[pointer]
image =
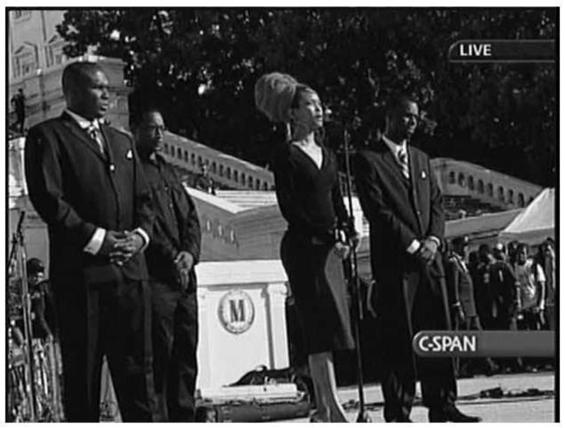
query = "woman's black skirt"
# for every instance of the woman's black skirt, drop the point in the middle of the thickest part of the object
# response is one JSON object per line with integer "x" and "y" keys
{"x": 317, "y": 282}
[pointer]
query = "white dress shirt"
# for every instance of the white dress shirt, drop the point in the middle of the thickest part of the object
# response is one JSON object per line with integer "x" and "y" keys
{"x": 87, "y": 125}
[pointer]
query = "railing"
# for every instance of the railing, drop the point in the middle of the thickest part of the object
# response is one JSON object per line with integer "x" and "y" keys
{"x": 222, "y": 168}
{"x": 459, "y": 178}
{"x": 456, "y": 178}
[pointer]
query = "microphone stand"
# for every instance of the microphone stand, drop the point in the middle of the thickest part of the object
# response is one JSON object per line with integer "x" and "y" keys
{"x": 354, "y": 282}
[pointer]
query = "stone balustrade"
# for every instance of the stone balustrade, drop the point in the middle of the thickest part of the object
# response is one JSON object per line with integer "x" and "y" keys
{"x": 459, "y": 178}
{"x": 224, "y": 169}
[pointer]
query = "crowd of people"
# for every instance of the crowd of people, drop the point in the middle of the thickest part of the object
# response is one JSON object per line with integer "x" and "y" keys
{"x": 504, "y": 287}
{"x": 125, "y": 238}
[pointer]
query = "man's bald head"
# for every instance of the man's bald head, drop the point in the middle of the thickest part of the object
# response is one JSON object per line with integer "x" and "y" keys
{"x": 77, "y": 73}
{"x": 85, "y": 87}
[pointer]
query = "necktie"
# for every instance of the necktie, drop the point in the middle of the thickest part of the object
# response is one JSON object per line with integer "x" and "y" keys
{"x": 95, "y": 135}
{"x": 463, "y": 264}
{"x": 403, "y": 160}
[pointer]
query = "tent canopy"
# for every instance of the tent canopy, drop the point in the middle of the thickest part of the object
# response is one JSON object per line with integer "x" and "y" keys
{"x": 535, "y": 223}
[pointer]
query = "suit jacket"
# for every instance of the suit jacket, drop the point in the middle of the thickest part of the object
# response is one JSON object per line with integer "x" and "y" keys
{"x": 460, "y": 285}
{"x": 484, "y": 293}
{"x": 399, "y": 210}
{"x": 503, "y": 288}
{"x": 76, "y": 189}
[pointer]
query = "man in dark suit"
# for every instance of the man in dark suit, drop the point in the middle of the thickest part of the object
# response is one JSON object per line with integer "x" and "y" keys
{"x": 504, "y": 288}
{"x": 171, "y": 257}
{"x": 483, "y": 291}
{"x": 462, "y": 300}
{"x": 84, "y": 180}
{"x": 402, "y": 202}
{"x": 460, "y": 286}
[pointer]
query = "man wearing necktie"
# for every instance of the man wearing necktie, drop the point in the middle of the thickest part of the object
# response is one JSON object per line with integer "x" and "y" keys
{"x": 400, "y": 198}
{"x": 85, "y": 181}
{"x": 95, "y": 134}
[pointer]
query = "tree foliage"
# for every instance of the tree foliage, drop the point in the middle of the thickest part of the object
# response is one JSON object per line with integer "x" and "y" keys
{"x": 200, "y": 66}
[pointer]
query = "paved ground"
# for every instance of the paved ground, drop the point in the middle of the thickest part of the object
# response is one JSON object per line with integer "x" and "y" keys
{"x": 536, "y": 408}
{"x": 539, "y": 407}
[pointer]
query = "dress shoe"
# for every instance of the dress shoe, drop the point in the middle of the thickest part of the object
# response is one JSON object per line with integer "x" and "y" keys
{"x": 491, "y": 368}
{"x": 465, "y": 373}
{"x": 398, "y": 418}
{"x": 401, "y": 420}
{"x": 450, "y": 414}
{"x": 315, "y": 417}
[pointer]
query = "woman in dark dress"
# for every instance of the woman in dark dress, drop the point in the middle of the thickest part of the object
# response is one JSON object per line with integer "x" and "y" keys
{"x": 308, "y": 193}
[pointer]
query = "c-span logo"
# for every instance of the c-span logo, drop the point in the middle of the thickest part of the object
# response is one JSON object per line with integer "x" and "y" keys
{"x": 236, "y": 311}
{"x": 445, "y": 343}
{"x": 485, "y": 343}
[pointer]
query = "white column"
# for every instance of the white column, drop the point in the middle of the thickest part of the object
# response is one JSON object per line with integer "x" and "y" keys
{"x": 203, "y": 346}
{"x": 277, "y": 293}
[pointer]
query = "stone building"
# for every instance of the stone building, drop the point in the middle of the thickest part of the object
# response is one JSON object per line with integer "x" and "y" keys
{"x": 36, "y": 62}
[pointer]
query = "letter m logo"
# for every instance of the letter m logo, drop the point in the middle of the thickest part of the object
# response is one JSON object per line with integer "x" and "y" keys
{"x": 237, "y": 311}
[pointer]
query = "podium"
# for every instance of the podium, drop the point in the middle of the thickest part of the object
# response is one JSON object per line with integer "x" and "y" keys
{"x": 242, "y": 319}
{"x": 241, "y": 325}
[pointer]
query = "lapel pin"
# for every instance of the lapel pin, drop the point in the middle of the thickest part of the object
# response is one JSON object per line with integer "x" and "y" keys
{"x": 423, "y": 175}
{"x": 129, "y": 155}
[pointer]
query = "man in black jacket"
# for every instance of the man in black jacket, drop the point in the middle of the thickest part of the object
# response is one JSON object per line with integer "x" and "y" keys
{"x": 171, "y": 257}
{"x": 461, "y": 287}
{"x": 483, "y": 292}
{"x": 506, "y": 296}
{"x": 462, "y": 300}
{"x": 84, "y": 181}
{"x": 402, "y": 202}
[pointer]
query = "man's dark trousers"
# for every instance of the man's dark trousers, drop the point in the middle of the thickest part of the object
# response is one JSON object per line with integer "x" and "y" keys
{"x": 117, "y": 316}
{"x": 175, "y": 335}
{"x": 438, "y": 384}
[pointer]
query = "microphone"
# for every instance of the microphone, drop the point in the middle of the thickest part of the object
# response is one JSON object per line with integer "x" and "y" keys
{"x": 328, "y": 115}
{"x": 330, "y": 118}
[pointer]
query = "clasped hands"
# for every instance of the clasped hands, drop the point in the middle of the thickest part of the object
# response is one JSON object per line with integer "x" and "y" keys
{"x": 427, "y": 250}
{"x": 121, "y": 246}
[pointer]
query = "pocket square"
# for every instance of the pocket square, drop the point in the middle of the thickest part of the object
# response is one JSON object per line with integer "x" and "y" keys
{"x": 129, "y": 155}
{"x": 423, "y": 175}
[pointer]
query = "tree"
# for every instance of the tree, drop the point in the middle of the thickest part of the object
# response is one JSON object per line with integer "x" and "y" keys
{"x": 200, "y": 66}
